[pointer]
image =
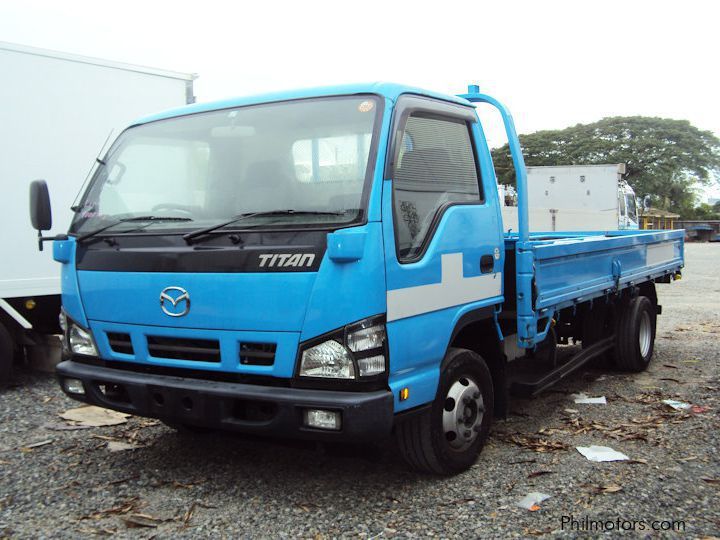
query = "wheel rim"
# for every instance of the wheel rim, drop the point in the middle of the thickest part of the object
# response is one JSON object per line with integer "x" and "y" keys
{"x": 463, "y": 412}
{"x": 645, "y": 334}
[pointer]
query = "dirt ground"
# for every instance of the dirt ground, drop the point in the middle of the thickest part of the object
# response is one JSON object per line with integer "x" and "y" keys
{"x": 70, "y": 483}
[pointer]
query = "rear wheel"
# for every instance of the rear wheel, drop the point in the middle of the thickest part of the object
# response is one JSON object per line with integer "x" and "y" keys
{"x": 635, "y": 335}
{"x": 446, "y": 438}
{"x": 7, "y": 354}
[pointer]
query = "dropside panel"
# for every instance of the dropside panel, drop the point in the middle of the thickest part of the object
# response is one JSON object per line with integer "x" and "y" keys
{"x": 570, "y": 269}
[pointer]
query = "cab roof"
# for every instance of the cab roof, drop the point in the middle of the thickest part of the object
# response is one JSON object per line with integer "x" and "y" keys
{"x": 388, "y": 90}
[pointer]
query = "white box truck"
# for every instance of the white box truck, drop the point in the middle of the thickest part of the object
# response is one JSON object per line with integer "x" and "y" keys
{"x": 576, "y": 198}
{"x": 56, "y": 109}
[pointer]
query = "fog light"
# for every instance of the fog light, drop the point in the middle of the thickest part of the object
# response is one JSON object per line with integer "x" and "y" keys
{"x": 74, "y": 386}
{"x": 320, "y": 419}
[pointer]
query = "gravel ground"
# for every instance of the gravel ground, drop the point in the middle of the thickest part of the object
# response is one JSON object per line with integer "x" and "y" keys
{"x": 229, "y": 486}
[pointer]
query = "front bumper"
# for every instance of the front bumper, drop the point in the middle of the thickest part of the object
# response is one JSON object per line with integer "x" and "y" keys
{"x": 248, "y": 408}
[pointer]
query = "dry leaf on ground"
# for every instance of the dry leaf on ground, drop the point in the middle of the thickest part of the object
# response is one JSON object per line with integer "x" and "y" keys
{"x": 119, "y": 446}
{"x": 133, "y": 521}
{"x": 536, "y": 444}
{"x": 94, "y": 416}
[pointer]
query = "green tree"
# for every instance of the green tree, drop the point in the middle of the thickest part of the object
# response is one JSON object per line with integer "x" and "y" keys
{"x": 666, "y": 159}
{"x": 703, "y": 211}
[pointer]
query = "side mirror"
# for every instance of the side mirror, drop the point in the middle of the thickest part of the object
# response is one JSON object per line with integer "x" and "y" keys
{"x": 40, "y": 213}
{"x": 647, "y": 199}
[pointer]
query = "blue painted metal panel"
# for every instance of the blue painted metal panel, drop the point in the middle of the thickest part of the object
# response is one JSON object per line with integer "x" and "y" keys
{"x": 244, "y": 301}
{"x": 345, "y": 292}
{"x": 283, "y": 365}
{"x": 346, "y": 246}
{"x": 388, "y": 90}
{"x": 573, "y": 268}
{"x": 465, "y": 229}
{"x": 375, "y": 201}
{"x": 419, "y": 343}
{"x": 70, "y": 289}
{"x": 417, "y": 349}
{"x": 565, "y": 245}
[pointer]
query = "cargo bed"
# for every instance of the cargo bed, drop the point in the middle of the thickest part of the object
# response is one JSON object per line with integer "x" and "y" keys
{"x": 559, "y": 270}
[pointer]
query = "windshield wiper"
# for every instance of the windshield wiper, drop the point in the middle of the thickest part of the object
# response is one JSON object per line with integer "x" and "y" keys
{"x": 241, "y": 217}
{"x": 129, "y": 220}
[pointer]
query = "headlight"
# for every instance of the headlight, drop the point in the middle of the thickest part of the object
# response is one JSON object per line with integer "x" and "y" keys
{"x": 353, "y": 352}
{"x": 81, "y": 341}
{"x": 329, "y": 359}
{"x": 364, "y": 338}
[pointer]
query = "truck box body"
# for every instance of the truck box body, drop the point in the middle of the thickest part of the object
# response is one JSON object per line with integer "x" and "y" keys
{"x": 331, "y": 264}
{"x": 57, "y": 111}
{"x": 577, "y": 197}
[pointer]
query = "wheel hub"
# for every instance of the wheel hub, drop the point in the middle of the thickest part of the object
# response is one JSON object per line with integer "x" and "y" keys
{"x": 462, "y": 413}
{"x": 645, "y": 334}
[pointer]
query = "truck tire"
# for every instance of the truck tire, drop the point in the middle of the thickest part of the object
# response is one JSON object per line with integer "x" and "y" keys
{"x": 7, "y": 355}
{"x": 447, "y": 437}
{"x": 635, "y": 334}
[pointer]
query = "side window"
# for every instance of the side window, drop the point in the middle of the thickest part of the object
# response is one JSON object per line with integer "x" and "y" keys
{"x": 631, "y": 208}
{"x": 436, "y": 166}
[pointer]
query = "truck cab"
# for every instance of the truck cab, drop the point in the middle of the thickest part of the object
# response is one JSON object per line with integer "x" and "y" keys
{"x": 326, "y": 264}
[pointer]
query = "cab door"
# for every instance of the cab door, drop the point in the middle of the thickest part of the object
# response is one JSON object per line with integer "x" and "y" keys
{"x": 442, "y": 238}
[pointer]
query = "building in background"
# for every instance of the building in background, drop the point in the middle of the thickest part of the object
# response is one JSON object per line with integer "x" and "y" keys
{"x": 655, "y": 219}
{"x": 696, "y": 230}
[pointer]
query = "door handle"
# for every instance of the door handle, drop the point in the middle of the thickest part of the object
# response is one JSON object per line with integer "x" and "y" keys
{"x": 487, "y": 263}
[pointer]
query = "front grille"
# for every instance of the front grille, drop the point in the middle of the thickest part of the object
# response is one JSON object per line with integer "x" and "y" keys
{"x": 257, "y": 354}
{"x": 199, "y": 350}
{"x": 120, "y": 342}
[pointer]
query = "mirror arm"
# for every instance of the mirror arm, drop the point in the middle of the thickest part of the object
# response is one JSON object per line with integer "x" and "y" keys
{"x": 42, "y": 239}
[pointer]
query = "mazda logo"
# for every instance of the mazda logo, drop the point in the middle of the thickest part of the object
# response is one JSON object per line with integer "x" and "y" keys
{"x": 174, "y": 301}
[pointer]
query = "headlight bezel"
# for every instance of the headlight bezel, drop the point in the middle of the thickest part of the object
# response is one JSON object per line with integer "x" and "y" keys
{"x": 340, "y": 335}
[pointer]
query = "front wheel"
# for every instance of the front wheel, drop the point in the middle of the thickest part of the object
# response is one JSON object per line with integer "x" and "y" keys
{"x": 635, "y": 334}
{"x": 447, "y": 438}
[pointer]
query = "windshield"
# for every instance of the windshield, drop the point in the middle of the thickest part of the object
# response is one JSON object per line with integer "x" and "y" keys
{"x": 308, "y": 156}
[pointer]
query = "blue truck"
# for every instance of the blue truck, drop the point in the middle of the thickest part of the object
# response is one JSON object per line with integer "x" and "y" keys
{"x": 330, "y": 264}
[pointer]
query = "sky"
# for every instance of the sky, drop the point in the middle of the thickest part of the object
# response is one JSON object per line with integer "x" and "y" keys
{"x": 554, "y": 63}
